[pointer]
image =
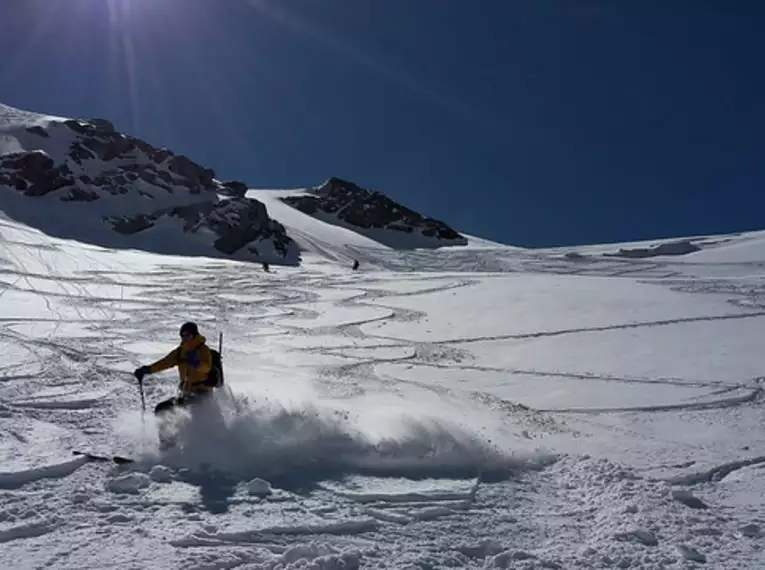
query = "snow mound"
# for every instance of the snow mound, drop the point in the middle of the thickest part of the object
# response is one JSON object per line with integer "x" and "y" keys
{"x": 161, "y": 474}
{"x": 682, "y": 247}
{"x": 321, "y": 557}
{"x": 259, "y": 487}
{"x": 26, "y": 530}
{"x": 18, "y": 478}
{"x": 129, "y": 483}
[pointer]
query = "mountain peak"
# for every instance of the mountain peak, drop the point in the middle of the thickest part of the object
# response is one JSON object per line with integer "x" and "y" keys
{"x": 375, "y": 215}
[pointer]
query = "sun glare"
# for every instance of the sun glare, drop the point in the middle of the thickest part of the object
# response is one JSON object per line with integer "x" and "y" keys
{"x": 118, "y": 10}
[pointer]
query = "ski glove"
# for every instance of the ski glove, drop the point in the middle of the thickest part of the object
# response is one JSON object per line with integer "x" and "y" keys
{"x": 141, "y": 371}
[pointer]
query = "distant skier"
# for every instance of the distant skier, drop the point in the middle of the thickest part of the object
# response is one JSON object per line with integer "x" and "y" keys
{"x": 196, "y": 370}
{"x": 266, "y": 267}
{"x": 355, "y": 264}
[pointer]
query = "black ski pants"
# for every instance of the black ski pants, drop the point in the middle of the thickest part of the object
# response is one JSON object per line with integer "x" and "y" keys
{"x": 170, "y": 404}
{"x": 166, "y": 432}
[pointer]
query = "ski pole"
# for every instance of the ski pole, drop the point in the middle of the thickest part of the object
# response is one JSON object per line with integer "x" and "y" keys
{"x": 143, "y": 400}
{"x": 228, "y": 389}
{"x": 220, "y": 351}
{"x": 143, "y": 410}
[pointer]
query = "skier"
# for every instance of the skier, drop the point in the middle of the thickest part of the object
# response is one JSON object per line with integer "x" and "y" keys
{"x": 195, "y": 370}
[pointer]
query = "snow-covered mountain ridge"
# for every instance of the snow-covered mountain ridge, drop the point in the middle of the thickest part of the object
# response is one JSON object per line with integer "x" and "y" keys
{"x": 100, "y": 179}
{"x": 342, "y": 202}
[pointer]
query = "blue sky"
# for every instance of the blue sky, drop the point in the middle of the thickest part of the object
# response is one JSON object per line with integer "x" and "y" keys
{"x": 533, "y": 122}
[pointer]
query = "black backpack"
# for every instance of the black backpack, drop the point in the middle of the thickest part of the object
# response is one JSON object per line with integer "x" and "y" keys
{"x": 215, "y": 377}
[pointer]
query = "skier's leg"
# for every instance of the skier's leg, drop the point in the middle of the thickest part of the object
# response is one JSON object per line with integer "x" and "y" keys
{"x": 203, "y": 411}
{"x": 167, "y": 431}
{"x": 165, "y": 406}
{"x": 164, "y": 423}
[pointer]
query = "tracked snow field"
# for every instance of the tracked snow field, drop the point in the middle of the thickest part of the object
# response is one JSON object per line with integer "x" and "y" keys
{"x": 428, "y": 411}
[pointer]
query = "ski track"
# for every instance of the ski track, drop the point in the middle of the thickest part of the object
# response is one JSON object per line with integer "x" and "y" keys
{"x": 525, "y": 522}
{"x": 17, "y": 479}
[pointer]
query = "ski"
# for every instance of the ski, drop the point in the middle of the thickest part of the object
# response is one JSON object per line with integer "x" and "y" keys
{"x": 118, "y": 459}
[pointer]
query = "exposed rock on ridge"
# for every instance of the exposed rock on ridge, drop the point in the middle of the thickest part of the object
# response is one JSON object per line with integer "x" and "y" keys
{"x": 367, "y": 210}
{"x": 134, "y": 184}
{"x": 237, "y": 222}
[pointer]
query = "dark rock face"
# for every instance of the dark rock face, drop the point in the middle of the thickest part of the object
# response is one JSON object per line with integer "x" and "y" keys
{"x": 234, "y": 188}
{"x": 33, "y": 173}
{"x": 80, "y": 195}
{"x": 91, "y": 126}
{"x": 128, "y": 225}
{"x": 190, "y": 172}
{"x": 241, "y": 221}
{"x": 119, "y": 158}
{"x": 102, "y": 125}
{"x": 237, "y": 222}
{"x": 365, "y": 209}
{"x": 98, "y": 140}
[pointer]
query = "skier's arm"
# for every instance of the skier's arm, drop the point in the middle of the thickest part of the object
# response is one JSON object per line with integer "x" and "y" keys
{"x": 164, "y": 363}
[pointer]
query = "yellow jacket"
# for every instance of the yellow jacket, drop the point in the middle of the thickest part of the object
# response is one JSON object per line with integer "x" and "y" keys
{"x": 194, "y": 361}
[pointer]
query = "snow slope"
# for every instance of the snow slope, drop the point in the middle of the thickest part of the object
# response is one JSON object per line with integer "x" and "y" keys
{"x": 740, "y": 247}
{"x": 313, "y": 236}
{"x": 474, "y": 407}
{"x": 12, "y": 119}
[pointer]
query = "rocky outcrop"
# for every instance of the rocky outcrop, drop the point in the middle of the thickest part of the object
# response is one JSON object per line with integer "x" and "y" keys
{"x": 109, "y": 162}
{"x": 33, "y": 173}
{"x": 158, "y": 166}
{"x": 683, "y": 247}
{"x": 242, "y": 221}
{"x": 234, "y": 188}
{"x": 132, "y": 185}
{"x": 365, "y": 209}
{"x": 128, "y": 225}
{"x": 240, "y": 224}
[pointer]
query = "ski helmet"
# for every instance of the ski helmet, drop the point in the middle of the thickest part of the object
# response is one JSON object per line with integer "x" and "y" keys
{"x": 189, "y": 328}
